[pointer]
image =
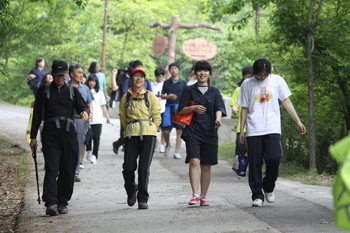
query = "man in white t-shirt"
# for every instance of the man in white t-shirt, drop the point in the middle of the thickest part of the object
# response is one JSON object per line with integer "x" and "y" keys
{"x": 157, "y": 87}
{"x": 259, "y": 97}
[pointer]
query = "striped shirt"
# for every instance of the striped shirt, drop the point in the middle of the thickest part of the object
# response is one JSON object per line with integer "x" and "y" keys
{"x": 203, "y": 125}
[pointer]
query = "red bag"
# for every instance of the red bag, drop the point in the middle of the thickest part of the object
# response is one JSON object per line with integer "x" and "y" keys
{"x": 183, "y": 119}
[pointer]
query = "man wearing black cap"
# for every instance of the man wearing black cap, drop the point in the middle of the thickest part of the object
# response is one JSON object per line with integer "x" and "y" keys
{"x": 172, "y": 89}
{"x": 54, "y": 104}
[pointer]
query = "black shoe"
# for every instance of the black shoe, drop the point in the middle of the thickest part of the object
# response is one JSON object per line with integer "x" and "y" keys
{"x": 77, "y": 179}
{"x": 115, "y": 147}
{"x": 62, "y": 209}
{"x": 52, "y": 210}
{"x": 143, "y": 205}
{"x": 132, "y": 200}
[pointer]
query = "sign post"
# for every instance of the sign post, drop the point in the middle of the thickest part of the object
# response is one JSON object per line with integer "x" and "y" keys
{"x": 172, "y": 38}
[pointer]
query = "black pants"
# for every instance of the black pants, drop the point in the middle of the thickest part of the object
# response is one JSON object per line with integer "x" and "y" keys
{"x": 241, "y": 149}
{"x": 144, "y": 149}
{"x": 61, "y": 158}
{"x": 120, "y": 141}
{"x": 266, "y": 147}
{"x": 96, "y": 131}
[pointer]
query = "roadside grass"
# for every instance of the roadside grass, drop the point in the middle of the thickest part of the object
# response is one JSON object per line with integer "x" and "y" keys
{"x": 287, "y": 170}
{"x": 13, "y": 168}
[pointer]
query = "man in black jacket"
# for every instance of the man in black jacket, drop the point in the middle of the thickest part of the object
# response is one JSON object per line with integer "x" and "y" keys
{"x": 54, "y": 104}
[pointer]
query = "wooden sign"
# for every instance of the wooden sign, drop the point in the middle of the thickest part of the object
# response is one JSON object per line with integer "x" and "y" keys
{"x": 160, "y": 45}
{"x": 199, "y": 49}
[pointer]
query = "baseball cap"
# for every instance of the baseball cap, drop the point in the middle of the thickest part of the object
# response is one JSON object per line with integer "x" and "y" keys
{"x": 138, "y": 70}
{"x": 59, "y": 67}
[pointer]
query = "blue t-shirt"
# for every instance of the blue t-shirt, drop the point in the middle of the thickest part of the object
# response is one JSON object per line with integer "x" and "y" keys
{"x": 38, "y": 73}
{"x": 85, "y": 93}
{"x": 173, "y": 87}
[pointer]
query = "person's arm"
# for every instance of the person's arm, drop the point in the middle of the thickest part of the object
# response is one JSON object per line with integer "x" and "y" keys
{"x": 291, "y": 110}
{"x": 104, "y": 109}
{"x": 91, "y": 116}
{"x": 115, "y": 86}
{"x": 244, "y": 113}
{"x": 218, "y": 122}
{"x": 105, "y": 92}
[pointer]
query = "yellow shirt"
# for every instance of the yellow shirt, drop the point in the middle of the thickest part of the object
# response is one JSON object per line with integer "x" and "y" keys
{"x": 138, "y": 110}
{"x": 234, "y": 103}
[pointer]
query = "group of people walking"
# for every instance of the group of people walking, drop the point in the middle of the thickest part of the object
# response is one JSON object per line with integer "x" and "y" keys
{"x": 144, "y": 113}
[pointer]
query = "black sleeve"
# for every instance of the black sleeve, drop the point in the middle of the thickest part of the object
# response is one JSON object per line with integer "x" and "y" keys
{"x": 184, "y": 98}
{"x": 219, "y": 103}
{"x": 79, "y": 102}
{"x": 37, "y": 113}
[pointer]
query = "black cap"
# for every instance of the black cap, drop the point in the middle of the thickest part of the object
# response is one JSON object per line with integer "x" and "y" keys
{"x": 174, "y": 64}
{"x": 59, "y": 67}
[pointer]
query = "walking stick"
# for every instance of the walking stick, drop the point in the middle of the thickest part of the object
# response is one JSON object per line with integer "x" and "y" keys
{"x": 36, "y": 173}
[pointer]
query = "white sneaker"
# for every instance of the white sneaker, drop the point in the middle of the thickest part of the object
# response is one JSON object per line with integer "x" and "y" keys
{"x": 81, "y": 165}
{"x": 93, "y": 159}
{"x": 177, "y": 155}
{"x": 161, "y": 148}
{"x": 88, "y": 155}
{"x": 258, "y": 203}
{"x": 270, "y": 197}
{"x": 167, "y": 150}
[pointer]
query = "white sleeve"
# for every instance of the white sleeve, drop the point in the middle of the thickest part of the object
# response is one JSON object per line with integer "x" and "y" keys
{"x": 284, "y": 91}
{"x": 243, "y": 97}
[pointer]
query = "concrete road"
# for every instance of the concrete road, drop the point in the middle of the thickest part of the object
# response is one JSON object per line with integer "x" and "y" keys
{"x": 99, "y": 201}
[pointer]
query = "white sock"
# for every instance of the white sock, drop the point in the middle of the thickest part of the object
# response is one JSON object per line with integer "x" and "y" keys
{"x": 203, "y": 197}
{"x": 196, "y": 194}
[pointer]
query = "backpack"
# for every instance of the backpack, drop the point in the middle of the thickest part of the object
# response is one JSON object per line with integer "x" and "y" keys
{"x": 46, "y": 95}
{"x": 129, "y": 99}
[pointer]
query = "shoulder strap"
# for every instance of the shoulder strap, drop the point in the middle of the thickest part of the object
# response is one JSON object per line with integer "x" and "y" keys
{"x": 127, "y": 102}
{"x": 71, "y": 92}
{"x": 129, "y": 99}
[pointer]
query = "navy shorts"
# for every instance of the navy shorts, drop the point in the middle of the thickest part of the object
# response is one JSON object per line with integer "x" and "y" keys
{"x": 205, "y": 152}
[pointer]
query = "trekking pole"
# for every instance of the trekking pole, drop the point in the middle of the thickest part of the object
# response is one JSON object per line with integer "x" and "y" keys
{"x": 36, "y": 173}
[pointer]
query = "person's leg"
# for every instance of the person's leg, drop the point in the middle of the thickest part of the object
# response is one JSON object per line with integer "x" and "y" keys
{"x": 167, "y": 137}
{"x": 81, "y": 128}
{"x": 205, "y": 178}
{"x": 178, "y": 140}
{"x": 69, "y": 159}
{"x": 52, "y": 156}
{"x": 272, "y": 156}
{"x": 194, "y": 175}
{"x": 256, "y": 153}
{"x": 131, "y": 153}
{"x": 146, "y": 150}
{"x": 97, "y": 129}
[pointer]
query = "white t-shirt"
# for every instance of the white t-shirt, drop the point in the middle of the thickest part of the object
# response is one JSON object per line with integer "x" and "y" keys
{"x": 97, "y": 104}
{"x": 263, "y": 116}
{"x": 157, "y": 89}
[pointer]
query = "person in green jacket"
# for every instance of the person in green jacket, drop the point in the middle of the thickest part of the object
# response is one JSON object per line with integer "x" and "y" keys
{"x": 241, "y": 149}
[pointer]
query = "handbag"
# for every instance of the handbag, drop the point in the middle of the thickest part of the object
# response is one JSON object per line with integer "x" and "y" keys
{"x": 184, "y": 119}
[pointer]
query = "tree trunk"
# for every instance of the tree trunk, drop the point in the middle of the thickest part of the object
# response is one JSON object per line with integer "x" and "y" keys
{"x": 257, "y": 21}
{"x": 312, "y": 120}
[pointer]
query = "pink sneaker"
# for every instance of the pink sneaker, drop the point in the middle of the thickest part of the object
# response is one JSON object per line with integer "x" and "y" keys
{"x": 194, "y": 200}
{"x": 204, "y": 202}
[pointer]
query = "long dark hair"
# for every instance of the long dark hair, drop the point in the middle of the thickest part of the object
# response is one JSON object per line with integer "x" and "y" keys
{"x": 93, "y": 77}
{"x": 92, "y": 68}
{"x": 38, "y": 60}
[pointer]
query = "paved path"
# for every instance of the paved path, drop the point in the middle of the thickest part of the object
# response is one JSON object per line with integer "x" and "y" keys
{"x": 99, "y": 201}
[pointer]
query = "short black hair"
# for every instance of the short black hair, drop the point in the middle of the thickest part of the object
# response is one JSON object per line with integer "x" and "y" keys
{"x": 159, "y": 71}
{"x": 73, "y": 67}
{"x": 202, "y": 65}
{"x": 93, "y": 77}
{"x": 260, "y": 65}
{"x": 136, "y": 64}
{"x": 247, "y": 70}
